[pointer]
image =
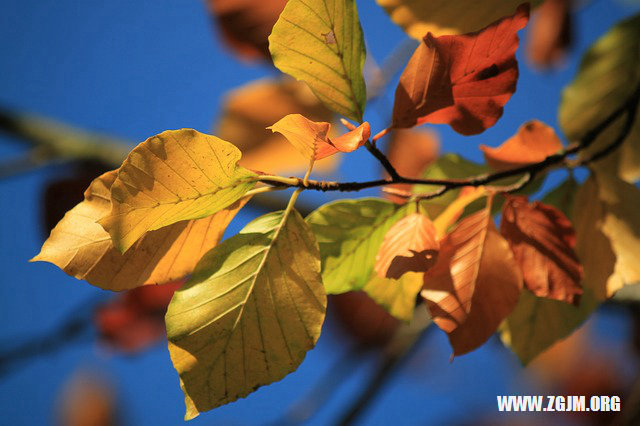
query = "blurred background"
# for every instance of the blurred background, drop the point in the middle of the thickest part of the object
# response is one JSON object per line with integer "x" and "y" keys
{"x": 83, "y": 82}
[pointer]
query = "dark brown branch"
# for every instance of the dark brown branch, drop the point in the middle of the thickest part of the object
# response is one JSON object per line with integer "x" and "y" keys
{"x": 373, "y": 149}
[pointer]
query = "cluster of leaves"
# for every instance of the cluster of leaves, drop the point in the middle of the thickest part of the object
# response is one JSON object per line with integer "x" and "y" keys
{"x": 255, "y": 303}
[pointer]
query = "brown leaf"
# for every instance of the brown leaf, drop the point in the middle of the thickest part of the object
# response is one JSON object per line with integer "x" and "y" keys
{"x": 542, "y": 240}
{"x": 534, "y": 142}
{"x": 246, "y": 24}
{"x": 409, "y": 245}
{"x": 248, "y": 110}
{"x": 410, "y": 152}
{"x": 475, "y": 283}
{"x": 550, "y": 34}
{"x": 312, "y": 140}
{"x": 461, "y": 80}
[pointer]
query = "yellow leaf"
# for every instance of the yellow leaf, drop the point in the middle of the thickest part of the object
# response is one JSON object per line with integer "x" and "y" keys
{"x": 174, "y": 176}
{"x": 397, "y": 296}
{"x": 253, "y": 308}
{"x": 83, "y": 249}
{"x": 607, "y": 223}
{"x": 248, "y": 110}
{"x": 418, "y": 18}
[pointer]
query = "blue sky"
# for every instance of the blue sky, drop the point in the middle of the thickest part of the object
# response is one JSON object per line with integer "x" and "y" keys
{"x": 134, "y": 69}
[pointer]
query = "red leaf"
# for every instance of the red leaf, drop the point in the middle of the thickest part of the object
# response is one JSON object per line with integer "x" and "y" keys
{"x": 542, "y": 240}
{"x": 409, "y": 245}
{"x": 461, "y": 80}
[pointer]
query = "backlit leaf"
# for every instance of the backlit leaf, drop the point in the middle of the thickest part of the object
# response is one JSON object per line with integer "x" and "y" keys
{"x": 171, "y": 177}
{"x": 349, "y": 233}
{"x": 611, "y": 223}
{"x": 474, "y": 285}
{"x": 418, "y": 18}
{"x": 83, "y": 249}
{"x": 542, "y": 240}
{"x": 550, "y": 33}
{"x": 608, "y": 73}
{"x": 252, "y": 309}
{"x": 561, "y": 197}
{"x": 248, "y": 110}
{"x": 321, "y": 43}
{"x": 461, "y": 80}
{"x": 410, "y": 245}
{"x": 312, "y": 140}
{"x": 397, "y": 296}
{"x": 534, "y": 142}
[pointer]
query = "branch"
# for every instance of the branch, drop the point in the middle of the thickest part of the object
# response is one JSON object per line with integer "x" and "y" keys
{"x": 629, "y": 107}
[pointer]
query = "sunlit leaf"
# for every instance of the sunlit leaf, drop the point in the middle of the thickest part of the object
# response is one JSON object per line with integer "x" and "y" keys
{"x": 607, "y": 222}
{"x": 461, "y": 80}
{"x": 171, "y": 177}
{"x": 534, "y": 142}
{"x": 418, "y": 18}
{"x": 608, "y": 73}
{"x": 252, "y": 309}
{"x": 410, "y": 245}
{"x": 248, "y": 110}
{"x": 349, "y": 233}
{"x": 312, "y": 140}
{"x": 397, "y": 296}
{"x": 542, "y": 240}
{"x": 321, "y": 43}
{"x": 474, "y": 285}
{"x": 83, "y": 249}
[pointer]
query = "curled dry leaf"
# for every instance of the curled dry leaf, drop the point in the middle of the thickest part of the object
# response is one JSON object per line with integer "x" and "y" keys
{"x": 534, "y": 142}
{"x": 475, "y": 283}
{"x": 550, "y": 33}
{"x": 409, "y": 245}
{"x": 312, "y": 140}
{"x": 83, "y": 249}
{"x": 461, "y": 80}
{"x": 248, "y": 110}
{"x": 542, "y": 240}
{"x": 246, "y": 24}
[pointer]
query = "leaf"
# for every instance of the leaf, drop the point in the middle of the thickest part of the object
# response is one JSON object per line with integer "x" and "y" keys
{"x": 461, "y": 80}
{"x": 321, "y": 43}
{"x": 349, "y": 233}
{"x": 536, "y": 323}
{"x": 246, "y": 24}
{"x": 248, "y": 110}
{"x": 534, "y": 142}
{"x": 609, "y": 71}
{"x": 418, "y": 18}
{"x": 550, "y": 34}
{"x": 611, "y": 223}
{"x": 542, "y": 240}
{"x": 409, "y": 245}
{"x": 562, "y": 196}
{"x": 397, "y": 296}
{"x": 252, "y": 309}
{"x": 410, "y": 152}
{"x": 174, "y": 176}
{"x": 475, "y": 283}
{"x": 83, "y": 249}
{"x": 312, "y": 140}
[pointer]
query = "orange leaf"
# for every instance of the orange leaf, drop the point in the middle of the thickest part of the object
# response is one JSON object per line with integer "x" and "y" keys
{"x": 312, "y": 140}
{"x": 246, "y": 24}
{"x": 409, "y": 245}
{"x": 550, "y": 33}
{"x": 461, "y": 80}
{"x": 542, "y": 240}
{"x": 534, "y": 142}
{"x": 475, "y": 283}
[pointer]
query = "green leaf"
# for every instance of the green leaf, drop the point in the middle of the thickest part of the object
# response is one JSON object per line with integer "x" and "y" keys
{"x": 562, "y": 195}
{"x": 608, "y": 73}
{"x": 349, "y": 233}
{"x": 253, "y": 308}
{"x": 174, "y": 176}
{"x": 398, "y": 297}
{"x": 321, "y": 43}
{"x": 536, "y": 323}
